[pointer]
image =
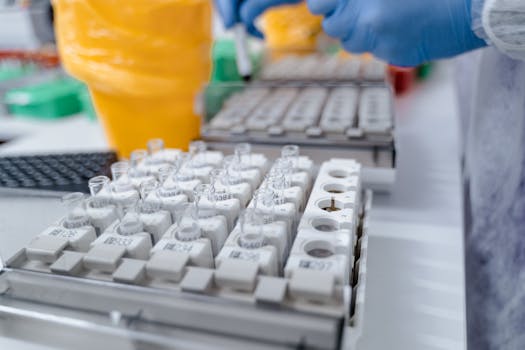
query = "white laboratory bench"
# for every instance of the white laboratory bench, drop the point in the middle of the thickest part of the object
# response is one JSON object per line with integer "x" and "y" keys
{"x": 415, "y": 283}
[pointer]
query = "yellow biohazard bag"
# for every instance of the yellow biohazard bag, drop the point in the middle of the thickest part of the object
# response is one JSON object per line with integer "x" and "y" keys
{"x": 143, "y": 61}
{"x": 292, "y": 27}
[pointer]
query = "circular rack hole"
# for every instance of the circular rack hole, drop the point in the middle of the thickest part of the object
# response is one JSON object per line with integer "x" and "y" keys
{"x": 339, "y": 174}
{"x": 319, "y": 249}
{"x": 336, "y": 188}
{"x": 330, "y": 205}
{"x": 325, "y": 225}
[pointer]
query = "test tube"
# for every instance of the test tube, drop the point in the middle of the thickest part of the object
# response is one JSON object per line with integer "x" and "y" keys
{"x": 130, "y": 223}
{"x": 76, "y": 210}
{"x": 262, "y": 198}
{"x": 188, "y": 227}
{"x": 184, "y": 172}
{"x": 96, "y": 185}
{"x": 136, "y": 158}
{"x": 155, "y": 146}
{"x": 119, "y": 173}
{"x": 283, "y": 167}
{"x": 291, "y": 153}
{"x": 146, "y": 188}
{"x": 219, "y": 191}
{"x": 197, "y": 152}
{"x": 243, "y": 154}
{"x": 251, "y": 227}
{"x": 165, "y": 172}
{"x": 233, "y": 170}
{"x": 170, "y": 189}
{"x": 204, "y": 191}
{"x": 276, "y": 182}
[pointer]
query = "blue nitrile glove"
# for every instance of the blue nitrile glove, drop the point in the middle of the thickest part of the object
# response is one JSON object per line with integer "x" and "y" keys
{"x": 402, "y": 32}
{"x": 247, "y": 13}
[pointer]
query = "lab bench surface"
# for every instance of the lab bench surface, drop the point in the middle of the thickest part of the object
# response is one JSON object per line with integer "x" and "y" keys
{"x": 415, "y": 291}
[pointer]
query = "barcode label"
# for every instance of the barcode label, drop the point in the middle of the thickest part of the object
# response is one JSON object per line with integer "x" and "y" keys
{"x": 124, "y": 242}
{"x": 178, "y": 247}
{"x": 247, "y": 256}
{"x": 315, "y": 265}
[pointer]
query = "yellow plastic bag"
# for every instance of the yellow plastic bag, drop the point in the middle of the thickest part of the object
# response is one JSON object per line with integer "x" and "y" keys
{"x": 292, "y": 27}
{"x": 144, "y": 62}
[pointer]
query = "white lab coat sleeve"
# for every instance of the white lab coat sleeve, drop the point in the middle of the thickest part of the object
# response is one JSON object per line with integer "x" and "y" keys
{"x": 477, "y": 14}
{"x": 502, "y": 24}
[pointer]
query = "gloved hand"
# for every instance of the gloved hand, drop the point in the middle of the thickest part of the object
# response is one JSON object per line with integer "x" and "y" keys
{"x": 402, "y": 32}
{"x": 246, "y": 11}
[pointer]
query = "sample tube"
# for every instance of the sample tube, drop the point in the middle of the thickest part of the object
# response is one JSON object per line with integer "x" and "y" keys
{"x": 185, "y": 170}
{"x": 167, "y": 189}
{"x": 130, "y": 223}
{"x": 276, "y": 183}
{"x": 146, "y": 188}
{"x": 264, "y": 204}
{"x": 96, "y": 185}
{"x": 291, "y": 153}
{"x": 283, "y": 167}
{"x": 233, "y": 175}
{"x": 201, "y": 192}
{"x": 121, "y": 181}
{"x": 243, "y": 155}
{"x": 155, "y": 146}
{"x": 188, "y": 226}
{"x": 251, "y": 226}
{"x": 136, "y": 158}
{"x": 76, "y": 210}
{"x": 197, "y": 152}
{"x": 219, "y": 189}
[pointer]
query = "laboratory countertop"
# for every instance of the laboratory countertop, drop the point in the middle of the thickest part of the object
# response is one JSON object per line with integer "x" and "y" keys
{"x": 415, "y": 283}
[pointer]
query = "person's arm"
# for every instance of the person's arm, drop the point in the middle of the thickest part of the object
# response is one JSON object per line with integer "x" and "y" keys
{"x": 501, "y": 23}
{"x": 402, "y": 32}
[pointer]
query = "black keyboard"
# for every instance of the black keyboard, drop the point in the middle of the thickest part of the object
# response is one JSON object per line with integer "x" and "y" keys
{"x": 54, "y": 172}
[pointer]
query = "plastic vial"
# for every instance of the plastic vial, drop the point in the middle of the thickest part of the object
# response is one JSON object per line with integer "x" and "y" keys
{"x": 219, "y": 190}
{"x": 130, "y": 224}
{"x": 291, "y": 153}
{"x": 146, "y": 189}
{"x": 251, "y": 230}
{"x": 159, "y": 156}
{"x": 119, "y": 173}
{"x": 188, "y": 226}
{"x": 100, "y": 208}
{"x": 202, "y": 192}
{"x": 233, "y": 170}
{"x": 243, "y": 155}
{"x": 98, "y": 188}
{"x": 185, "y": 171}
{"x": 122, "y": 188}
{"x": 167, "y": 189}
{"x": 138, "y": 171}
{"x": 264, "y": 204}
{"x": 155, "y": 149}
{"x": 137, "y": 158}
{"x": 76, "y": 210}
{"x": 276, "y": 182}
{"x": 197, "y": 152}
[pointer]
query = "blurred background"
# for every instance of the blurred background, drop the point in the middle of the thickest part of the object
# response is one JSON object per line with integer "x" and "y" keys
{"x": 110, "y": 80}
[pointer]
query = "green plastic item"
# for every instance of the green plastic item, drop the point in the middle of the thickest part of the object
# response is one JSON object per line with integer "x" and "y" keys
{"x": 51, "y": 100}
{"x": 424, "y": 71}
{"x": 224, "y": 61}
{"x": 9, "y": 73}
{"x": 86, "y": 103}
